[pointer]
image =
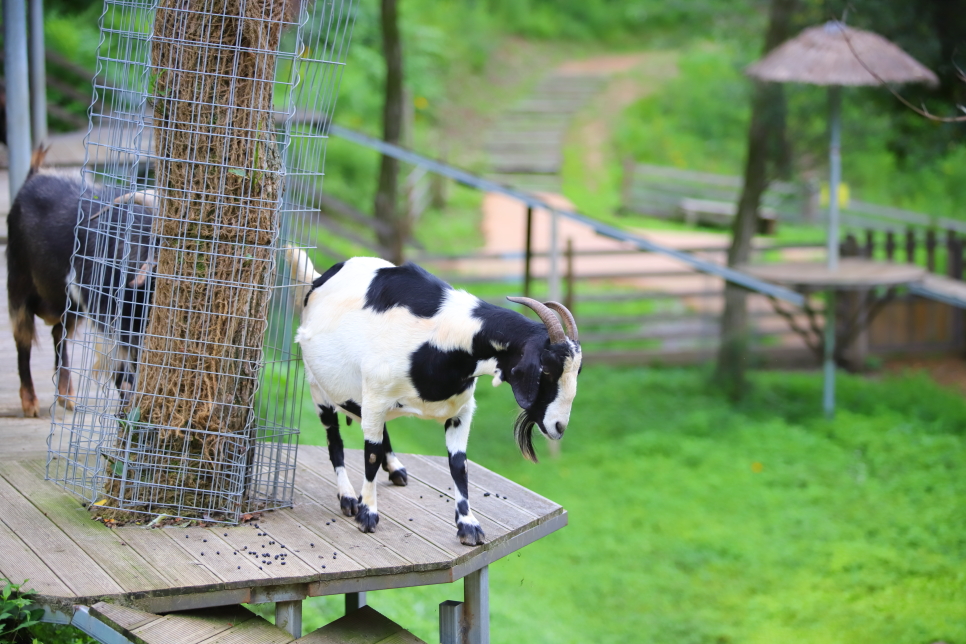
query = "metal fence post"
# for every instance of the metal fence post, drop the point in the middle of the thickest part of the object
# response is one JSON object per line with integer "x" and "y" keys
{"x": 18, "y": 92}
{"x": 476, "y": 606}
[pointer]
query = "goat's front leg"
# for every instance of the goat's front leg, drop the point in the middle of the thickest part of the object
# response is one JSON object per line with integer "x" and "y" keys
{"x": 397, "y": 471}
{"x": 373, "y": 430}
{"x": 23, "y": 335}
{"x": 457, "y": 435}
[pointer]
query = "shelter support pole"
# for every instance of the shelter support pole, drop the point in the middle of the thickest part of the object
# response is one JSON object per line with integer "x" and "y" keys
{"x": 835, "y": 168}
{"x": 18, "y": 91}
{"x": 476, "y": 606}
{"x": 828, "y": 386}
{"x": 288, "y": 617}
{"x": 354, "y": 601}
{"x": 38, "y": 73}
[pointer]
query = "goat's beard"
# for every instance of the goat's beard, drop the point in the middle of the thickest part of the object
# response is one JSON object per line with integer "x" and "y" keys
{"x": 523, "y": 433}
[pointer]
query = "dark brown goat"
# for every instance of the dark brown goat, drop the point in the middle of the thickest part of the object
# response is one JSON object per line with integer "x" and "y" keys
{"x": 109, "y": 283}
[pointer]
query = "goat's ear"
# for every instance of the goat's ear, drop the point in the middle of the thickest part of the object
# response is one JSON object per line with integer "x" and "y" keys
{"x": 525, "y": 377}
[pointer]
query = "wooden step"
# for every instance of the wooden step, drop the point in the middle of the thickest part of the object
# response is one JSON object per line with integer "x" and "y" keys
{"x": 363, "y": 626}
{"x": 226, "y": 625}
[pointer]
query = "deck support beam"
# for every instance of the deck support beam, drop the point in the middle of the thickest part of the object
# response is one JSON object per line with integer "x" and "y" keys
{"x": 354, "y": 601}
{"x": 476, "y": 606}
{"x": 288, "y": 617}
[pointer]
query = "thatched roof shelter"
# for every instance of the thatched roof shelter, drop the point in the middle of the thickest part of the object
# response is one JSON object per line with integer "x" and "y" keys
{"x": 834, "y": 54}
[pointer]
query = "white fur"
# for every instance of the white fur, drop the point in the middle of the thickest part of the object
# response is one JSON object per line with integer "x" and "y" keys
{"x": 558, "y": 411}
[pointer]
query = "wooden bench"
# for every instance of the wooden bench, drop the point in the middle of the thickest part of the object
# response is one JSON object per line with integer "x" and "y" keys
{"x": 721, "y": 214}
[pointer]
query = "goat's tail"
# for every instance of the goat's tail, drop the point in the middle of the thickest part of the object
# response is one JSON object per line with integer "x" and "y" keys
{"x": 303, "y": 273}
{"x": 37, "y": 159}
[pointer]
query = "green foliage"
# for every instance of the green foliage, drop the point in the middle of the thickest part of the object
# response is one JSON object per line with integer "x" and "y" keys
{"x": 692, "y": 520}
{"x": 16, "y": 614}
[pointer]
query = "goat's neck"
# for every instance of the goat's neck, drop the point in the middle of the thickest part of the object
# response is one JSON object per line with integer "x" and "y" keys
{"x": 500, "y": 343}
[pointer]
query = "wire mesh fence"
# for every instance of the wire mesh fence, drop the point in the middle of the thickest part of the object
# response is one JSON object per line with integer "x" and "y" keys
{"x": 206, "y": 147}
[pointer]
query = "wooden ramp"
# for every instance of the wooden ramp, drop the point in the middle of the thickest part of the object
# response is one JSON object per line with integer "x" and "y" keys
{"x": 230, "y": 625}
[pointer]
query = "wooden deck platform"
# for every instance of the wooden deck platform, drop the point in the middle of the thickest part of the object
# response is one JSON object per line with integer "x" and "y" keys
{"x": 309, "y": 550}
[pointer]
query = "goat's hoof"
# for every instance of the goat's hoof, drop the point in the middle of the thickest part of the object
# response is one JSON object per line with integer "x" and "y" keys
{"x": 470, "y": 534}
{"x": 350, "y": 505}
{"x": 399, "y": 477}
{"x": 29, "y": 402}
{"x": 366, "y": 520}
{"x": 65, "y": 402}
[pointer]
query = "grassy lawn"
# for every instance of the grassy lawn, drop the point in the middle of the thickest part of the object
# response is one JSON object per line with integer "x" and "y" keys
{"x": 692, "y": 520}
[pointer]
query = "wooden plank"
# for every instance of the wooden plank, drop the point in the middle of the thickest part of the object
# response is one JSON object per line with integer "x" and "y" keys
{"x": 424, "y": 498}
{"x": 19, "y": 563}
{"x": 363, "y": 626}
{"x": 345, "y": 536}
{"x": 191, "y": 627}
{"x": 79, "y": 571}
{"x": 225, "y": 566}
{"x": 243, "y": 539}
{"x": 418, "y": 553}
{"x": 304, "y": 532}
{"x": 423, "y": 512}
{"x": 485, "y": 480}
{"x": 121, "y": 618}
{"x": 103, "y": 545}
{"x": 178, "y": 565}
{"x": 252, "y": 631}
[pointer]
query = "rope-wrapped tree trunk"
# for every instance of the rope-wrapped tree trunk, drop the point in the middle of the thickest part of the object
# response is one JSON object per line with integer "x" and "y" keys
{"x": 219, "y": 178}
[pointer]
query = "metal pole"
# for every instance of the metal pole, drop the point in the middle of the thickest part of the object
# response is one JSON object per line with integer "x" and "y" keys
{"x": 828, "y": 386}
{"x": 835, "y": 166}
{"x": 553, "y": 285}
{"x": 832, "y": 242}
{"x": 18, "y": 92}
{"x": 476, "y": 606}
{"x": 528, "y": 253}
{"x": 38, "y": 73}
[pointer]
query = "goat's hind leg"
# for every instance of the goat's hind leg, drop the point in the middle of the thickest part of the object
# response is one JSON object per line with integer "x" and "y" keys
{"x": 23, "y": 336}
{"x": 65, "y": 389}
{"x": 468, "y": 528}
{"x": 373, "y": 429}
{"x": 347, "y": 495}
{"x": 397, "y": 471}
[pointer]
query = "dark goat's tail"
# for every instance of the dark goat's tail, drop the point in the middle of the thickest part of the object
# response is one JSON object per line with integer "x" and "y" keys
{"x": 37, "y": 159}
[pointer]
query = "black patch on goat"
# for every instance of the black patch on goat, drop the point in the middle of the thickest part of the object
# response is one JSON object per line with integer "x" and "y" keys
{"x": 439, "y": 375}
{"x": 409, "y": 286}
{"x": 352, "y": 407}
{"x": 323, "y": 278}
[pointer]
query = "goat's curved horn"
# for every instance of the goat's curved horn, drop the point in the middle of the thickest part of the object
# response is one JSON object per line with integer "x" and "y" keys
{"x": 568, "y": 318}
{"x": 546, "y": 316}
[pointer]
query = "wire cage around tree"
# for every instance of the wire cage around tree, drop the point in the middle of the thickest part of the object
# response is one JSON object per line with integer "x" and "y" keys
{"x": 204, "y": 160}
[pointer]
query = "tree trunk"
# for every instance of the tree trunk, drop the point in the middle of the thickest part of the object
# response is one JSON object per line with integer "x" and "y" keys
{"x": 187, "y": 438}
{"x": 386, "y": 207}
{"x": 765, "y": 138}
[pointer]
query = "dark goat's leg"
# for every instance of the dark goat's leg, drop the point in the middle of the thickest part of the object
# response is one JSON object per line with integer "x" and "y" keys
{"x": 65, "y": 392}
{"x": 397, "y": 471}
{"x": 468, "y": 528}
{"x": 23, "y": 335}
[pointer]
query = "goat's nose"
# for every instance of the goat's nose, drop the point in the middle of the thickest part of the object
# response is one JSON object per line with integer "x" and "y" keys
{"x": 561, "y": 428}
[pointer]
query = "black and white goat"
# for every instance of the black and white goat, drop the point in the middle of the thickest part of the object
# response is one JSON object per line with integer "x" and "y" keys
{"x": 381, "y": 341}
{"x": 109, "y": 283}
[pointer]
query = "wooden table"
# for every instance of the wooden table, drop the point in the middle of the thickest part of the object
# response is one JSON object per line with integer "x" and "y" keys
{"x": 80, "y": 568}
{"x": 853, "y": 274}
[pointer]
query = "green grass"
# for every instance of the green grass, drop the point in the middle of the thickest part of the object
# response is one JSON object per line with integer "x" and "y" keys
{"x": 850, "y": 532}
